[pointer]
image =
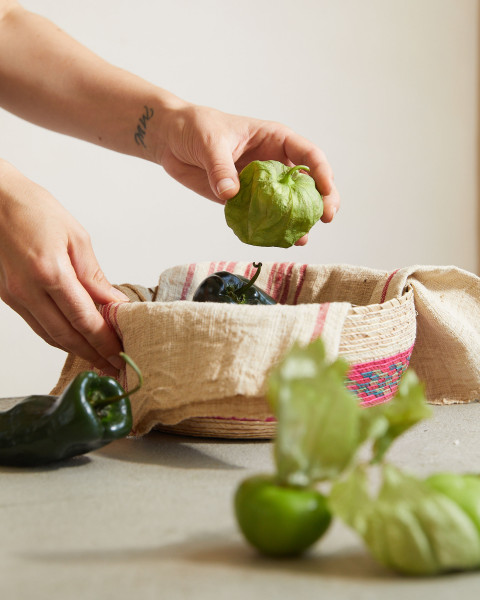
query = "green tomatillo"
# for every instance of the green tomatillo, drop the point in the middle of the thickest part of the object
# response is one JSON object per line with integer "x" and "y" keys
{"x": 464, "y": 490}
{"x": 275, "y": 206}
{"x": 280, "y": 520}
{"x": 413, "y": 526}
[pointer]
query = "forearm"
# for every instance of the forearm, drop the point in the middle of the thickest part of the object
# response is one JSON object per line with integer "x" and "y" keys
{"x": 48, "y": 78}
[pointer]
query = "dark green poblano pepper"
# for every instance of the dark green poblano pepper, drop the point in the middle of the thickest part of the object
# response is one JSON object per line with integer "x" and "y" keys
{"x": 232, "y": 289}
{"x": 92, "y": 412}
{"x": 275, "y": 206}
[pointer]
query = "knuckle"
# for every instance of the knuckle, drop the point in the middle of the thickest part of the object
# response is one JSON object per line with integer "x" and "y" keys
{"x": 50, "y": 341}
{"x": 90, "y": 329}
{"x": 7, "y": 298}
{"x": 282, "y": 128}
{"x": 200, "y": 113}
{"x": 281, "y": 131}
{"x": 15, "y": 290}
{"x": 81, "y": 321}
{"x": 218, "y": 171}
{"x": 45, "y": 273}
{"x": 98, "y": 276}
{"x": 210, "y": 140}
{"x": 106, "y": 342}
{"x": 314, "y": 156}
{"x": 82, "y": 236}
{"x": 63, "y": 338}
{"x": 71, "y": 342}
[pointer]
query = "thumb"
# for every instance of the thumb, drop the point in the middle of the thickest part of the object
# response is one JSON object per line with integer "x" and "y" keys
{"x": 221, "y": 172}
{"x": 92, "y": 278}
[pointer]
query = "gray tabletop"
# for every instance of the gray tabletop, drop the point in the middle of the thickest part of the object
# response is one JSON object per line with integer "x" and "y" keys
{"x": 152, "y": 518}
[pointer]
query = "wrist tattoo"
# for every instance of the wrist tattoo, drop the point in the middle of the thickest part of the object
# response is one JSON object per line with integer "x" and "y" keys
{"x": 141, "y": 130}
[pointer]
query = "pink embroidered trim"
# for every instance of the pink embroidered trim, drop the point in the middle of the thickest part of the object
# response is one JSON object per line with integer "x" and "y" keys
{"x": 377, "y": 381}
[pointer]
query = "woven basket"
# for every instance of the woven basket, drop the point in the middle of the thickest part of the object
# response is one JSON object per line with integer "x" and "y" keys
{"x": 205, "y": 364}
{"x": 377, "y": 340}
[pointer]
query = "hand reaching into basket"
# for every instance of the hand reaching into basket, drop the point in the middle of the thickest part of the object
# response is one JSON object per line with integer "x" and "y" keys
{"x": 49, "y": 274}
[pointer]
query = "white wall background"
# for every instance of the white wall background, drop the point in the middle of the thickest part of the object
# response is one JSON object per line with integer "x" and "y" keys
{"x": 387, "y": 88}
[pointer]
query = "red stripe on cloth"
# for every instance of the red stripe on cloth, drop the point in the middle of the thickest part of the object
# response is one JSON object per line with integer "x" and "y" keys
{"x": 105, "y": 312}
{"x": 385, "y": 287}
{"x": 271, "y": 278}
{"x": 279, "y": 280}
{"x": 221, "y": 266}
{"x": 211, "y": 268}
{"x": 248, "y": 270}
{"x": 114, "y": 312}
{"x": 188, "y": 280}
{"x": 231, "y": 267}
{"x": 320, "y": 321}
{"x": 287, "y": 281}
{"x": 301, "y": 279}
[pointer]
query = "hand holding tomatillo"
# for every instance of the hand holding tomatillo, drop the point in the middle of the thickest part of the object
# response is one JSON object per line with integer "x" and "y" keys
{"x": 49, "y": 274}
{"x": 275, "y": 206}
{"x": 202, "y": 148}
{"x": 205, "y": 149}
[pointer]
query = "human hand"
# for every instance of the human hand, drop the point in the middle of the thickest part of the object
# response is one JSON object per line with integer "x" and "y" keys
{"x": 49, "y": 274}
{"x": 204, "y": 149}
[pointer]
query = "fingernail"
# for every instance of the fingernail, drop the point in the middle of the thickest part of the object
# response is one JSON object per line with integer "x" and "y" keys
{"x": 116, "y": 361}
{"x": 224, "y": 185}
{"x": 120, "y": 295}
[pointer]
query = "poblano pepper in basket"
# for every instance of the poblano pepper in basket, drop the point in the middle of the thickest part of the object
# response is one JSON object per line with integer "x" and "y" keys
{"x": 92, "y": 412}
{"x": 232, "y": 289}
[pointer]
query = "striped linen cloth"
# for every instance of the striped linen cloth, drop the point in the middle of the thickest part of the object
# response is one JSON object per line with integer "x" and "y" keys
{"x": 212, "y": 360}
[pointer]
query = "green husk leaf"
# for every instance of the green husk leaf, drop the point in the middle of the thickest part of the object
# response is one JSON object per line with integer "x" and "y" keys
{"x": 318, "y": 417}
{"x": 350, "y": 501}
{"x": 320, "y": 422}
{"x": 463, "y": 489}
{"x": 405, "y": 410}
{"x": 409, "y": 527}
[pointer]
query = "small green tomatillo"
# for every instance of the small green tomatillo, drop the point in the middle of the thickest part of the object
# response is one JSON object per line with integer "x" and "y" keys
{"x": 280, "y": 520}
{"x": 275, "y": 206}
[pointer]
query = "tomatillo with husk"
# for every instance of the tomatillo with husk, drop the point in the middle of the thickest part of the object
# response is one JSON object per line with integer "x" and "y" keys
{"x": 275, "y": 206}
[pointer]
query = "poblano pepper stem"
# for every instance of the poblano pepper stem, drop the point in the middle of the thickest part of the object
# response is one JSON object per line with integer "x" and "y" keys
{"x": 287, "y": 178}
{"x": 248, "y": 285}
{"x": 98, "y": 400}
